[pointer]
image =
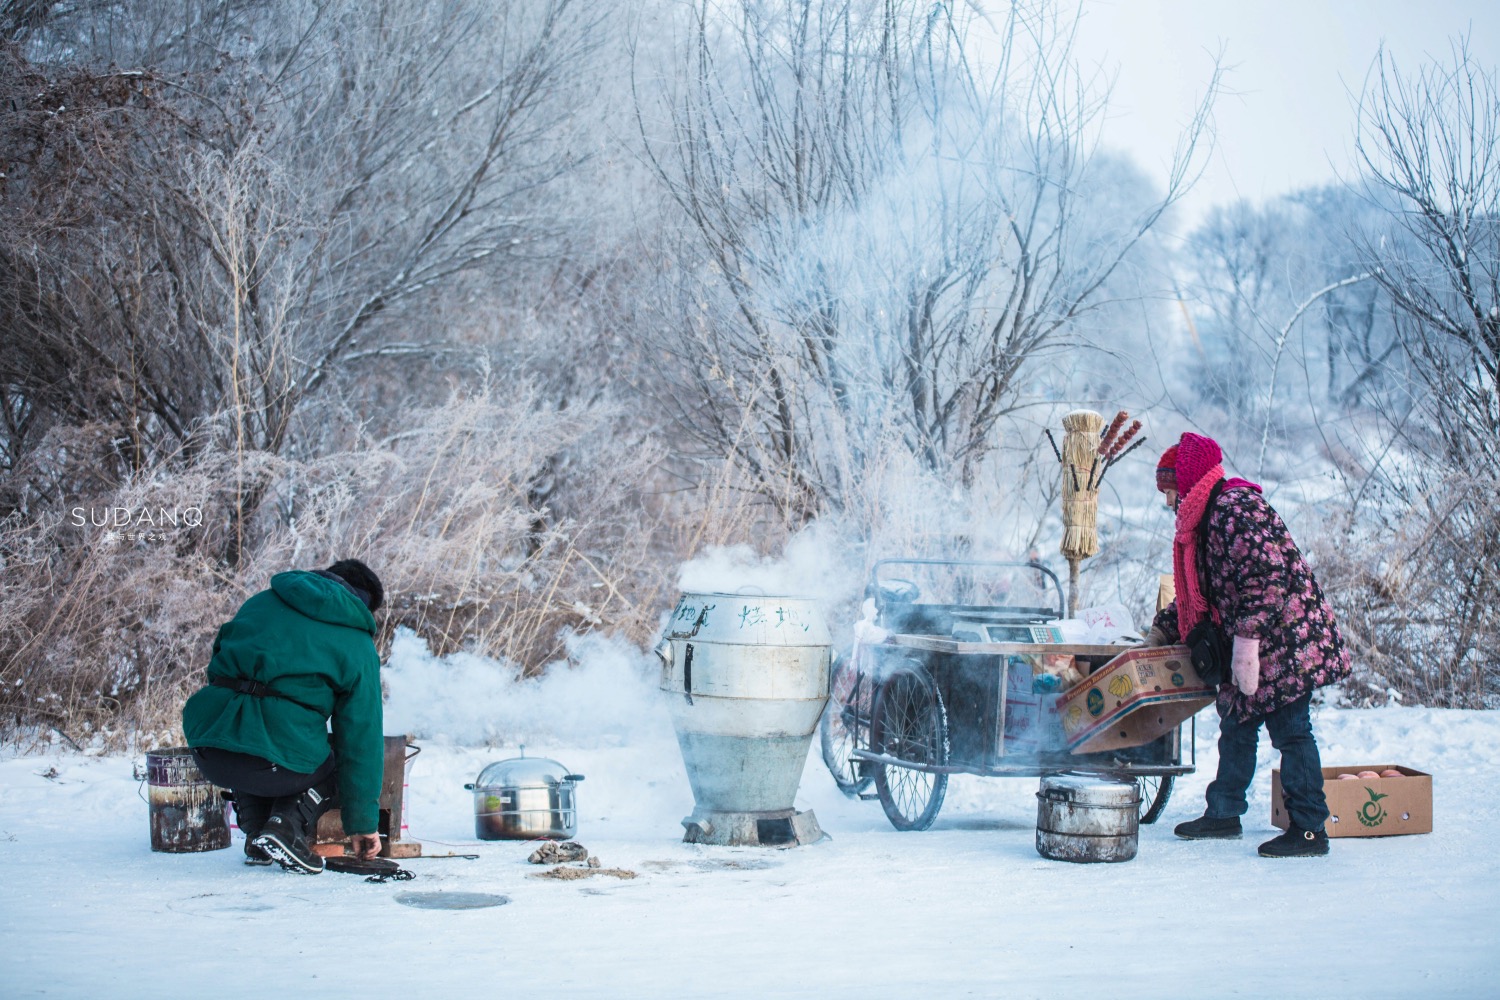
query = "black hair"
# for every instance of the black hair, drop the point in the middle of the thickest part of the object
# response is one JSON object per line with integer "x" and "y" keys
{"x": 362, "y": 580}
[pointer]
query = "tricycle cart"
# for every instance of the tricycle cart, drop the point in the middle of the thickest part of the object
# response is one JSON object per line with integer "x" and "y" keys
{"x": 929, "y": 698}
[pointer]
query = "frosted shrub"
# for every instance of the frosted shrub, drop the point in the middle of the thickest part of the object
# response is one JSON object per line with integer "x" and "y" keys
{"x": 107, "y": 630}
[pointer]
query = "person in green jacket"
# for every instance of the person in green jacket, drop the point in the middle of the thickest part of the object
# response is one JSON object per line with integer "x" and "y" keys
{"x": 294, "y": 658}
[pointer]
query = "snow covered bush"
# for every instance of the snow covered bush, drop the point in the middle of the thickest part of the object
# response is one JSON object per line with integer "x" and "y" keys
{"x": 109, "y": 607}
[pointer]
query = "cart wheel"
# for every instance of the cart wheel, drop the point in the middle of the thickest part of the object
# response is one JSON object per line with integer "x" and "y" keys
{"x": 1155, "y": 791}
{"x": 910, "y": 723}
{"x": 845, "y": 726}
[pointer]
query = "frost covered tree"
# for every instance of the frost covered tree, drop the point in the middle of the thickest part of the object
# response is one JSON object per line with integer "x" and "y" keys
{"x": 1293, "y": 336}
{"x": 1429, "y": 144}
{"x": 890, "y": 210}
{"x": 219, "y": 212}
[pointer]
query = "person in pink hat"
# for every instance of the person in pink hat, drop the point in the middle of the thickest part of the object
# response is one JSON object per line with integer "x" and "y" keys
{"x": 1234, "y": 563}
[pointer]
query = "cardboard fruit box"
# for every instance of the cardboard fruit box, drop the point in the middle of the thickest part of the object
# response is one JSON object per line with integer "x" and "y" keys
{"x": 1131, "y": 700}
{"x": 1367, "y": 807}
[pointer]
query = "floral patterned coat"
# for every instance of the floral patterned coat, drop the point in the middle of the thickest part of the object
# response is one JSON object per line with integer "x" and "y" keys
{"x": 1263, "y": 589}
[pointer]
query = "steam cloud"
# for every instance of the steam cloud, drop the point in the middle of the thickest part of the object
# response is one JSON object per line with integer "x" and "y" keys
{"x": 604, "y": 694}
{"x": 815, "y": 564}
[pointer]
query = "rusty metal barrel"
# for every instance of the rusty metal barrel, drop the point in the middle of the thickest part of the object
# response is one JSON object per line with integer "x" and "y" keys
{"x": 187, "y": 814}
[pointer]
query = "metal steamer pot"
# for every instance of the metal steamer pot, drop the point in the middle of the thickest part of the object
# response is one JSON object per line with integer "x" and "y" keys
{"x": 746, "y": 678}
{"x": 1087, "y": 818}
{"x": 525, "y": 798}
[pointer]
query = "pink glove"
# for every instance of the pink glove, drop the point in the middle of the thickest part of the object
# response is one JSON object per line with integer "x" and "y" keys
{"x": 1244, "y": 664}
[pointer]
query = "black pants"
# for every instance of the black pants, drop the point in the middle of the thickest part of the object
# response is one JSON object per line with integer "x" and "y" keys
{"x": 244, "y": 772}
{"x": 1301, "y": 767}
{"x": 261, "y": 788}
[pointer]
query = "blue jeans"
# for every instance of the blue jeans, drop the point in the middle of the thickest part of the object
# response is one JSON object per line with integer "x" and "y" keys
{"x": 1301, "y": 768}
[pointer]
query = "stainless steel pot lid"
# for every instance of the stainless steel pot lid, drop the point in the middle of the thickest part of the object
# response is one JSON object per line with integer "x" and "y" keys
{"x": 524, "y": 772}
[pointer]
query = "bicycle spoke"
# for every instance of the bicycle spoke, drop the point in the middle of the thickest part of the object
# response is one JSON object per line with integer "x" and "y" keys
{"x": 910, "y": 726}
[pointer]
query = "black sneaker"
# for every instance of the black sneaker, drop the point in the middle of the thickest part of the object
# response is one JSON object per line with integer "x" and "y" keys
{"x": 284, "y": 842}
{"x": 1296, "y": 843}
{"x": 251, "y": 813}
{"x": 1210, "y": 828}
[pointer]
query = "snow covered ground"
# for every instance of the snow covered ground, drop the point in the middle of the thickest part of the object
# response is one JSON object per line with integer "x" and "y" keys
{"x": 965, "y": 909}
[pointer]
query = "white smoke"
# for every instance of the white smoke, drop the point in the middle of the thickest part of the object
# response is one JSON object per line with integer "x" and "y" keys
{"x": 815, "y": 564}
{"x": 603, "y": 694}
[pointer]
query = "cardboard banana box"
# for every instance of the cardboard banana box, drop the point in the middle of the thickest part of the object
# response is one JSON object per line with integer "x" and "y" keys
{"x": 1131, "y": 700}
{"x": 1367, "y": 807}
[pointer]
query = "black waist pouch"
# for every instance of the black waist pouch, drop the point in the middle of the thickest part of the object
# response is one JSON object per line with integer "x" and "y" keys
{"x": 1211, "y": 649}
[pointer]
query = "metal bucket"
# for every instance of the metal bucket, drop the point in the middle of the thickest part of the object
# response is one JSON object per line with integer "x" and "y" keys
{"x": 187, "y": 814}
{"x": 747, "y": 679}
{"x": 1086, "y": 818}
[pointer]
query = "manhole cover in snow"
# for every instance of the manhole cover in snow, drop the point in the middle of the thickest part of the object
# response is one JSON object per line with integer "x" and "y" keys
{"x": 450, "y": 900}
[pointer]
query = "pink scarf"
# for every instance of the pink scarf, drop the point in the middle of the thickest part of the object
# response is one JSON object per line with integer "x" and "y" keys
{"x": 1191, "y": 508}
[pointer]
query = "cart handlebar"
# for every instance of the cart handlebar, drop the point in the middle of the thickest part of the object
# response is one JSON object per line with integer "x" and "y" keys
{"x": 881, "y": 601}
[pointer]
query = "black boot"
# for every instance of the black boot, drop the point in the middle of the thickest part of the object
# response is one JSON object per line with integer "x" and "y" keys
{"x": 251, "y": 813}
{"x": 1296, "y": 843}
{"x": 290, "y": 830}
{"x": 1210, "y": 828}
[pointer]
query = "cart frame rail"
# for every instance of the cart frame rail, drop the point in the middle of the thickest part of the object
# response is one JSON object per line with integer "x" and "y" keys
{"x": 923, "y": 705}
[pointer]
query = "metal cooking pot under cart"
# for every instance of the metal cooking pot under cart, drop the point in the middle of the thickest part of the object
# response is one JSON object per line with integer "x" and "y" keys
{"x": 525, "y": 798}
{"x": 1087, "y": 818}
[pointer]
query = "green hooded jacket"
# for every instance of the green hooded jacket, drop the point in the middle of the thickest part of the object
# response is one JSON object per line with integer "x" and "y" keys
{"x": 312, "y": 640}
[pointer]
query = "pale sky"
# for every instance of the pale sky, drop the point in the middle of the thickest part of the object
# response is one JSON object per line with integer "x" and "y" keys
{"x": 1287, "y": 119}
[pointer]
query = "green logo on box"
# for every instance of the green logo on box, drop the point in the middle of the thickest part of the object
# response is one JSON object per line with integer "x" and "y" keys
{"x": 1096, "y": 702}
{"x": 1372, "y": 813}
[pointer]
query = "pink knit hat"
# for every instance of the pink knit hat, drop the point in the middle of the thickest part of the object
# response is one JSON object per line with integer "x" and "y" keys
{"x": 1196, "y": 454}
